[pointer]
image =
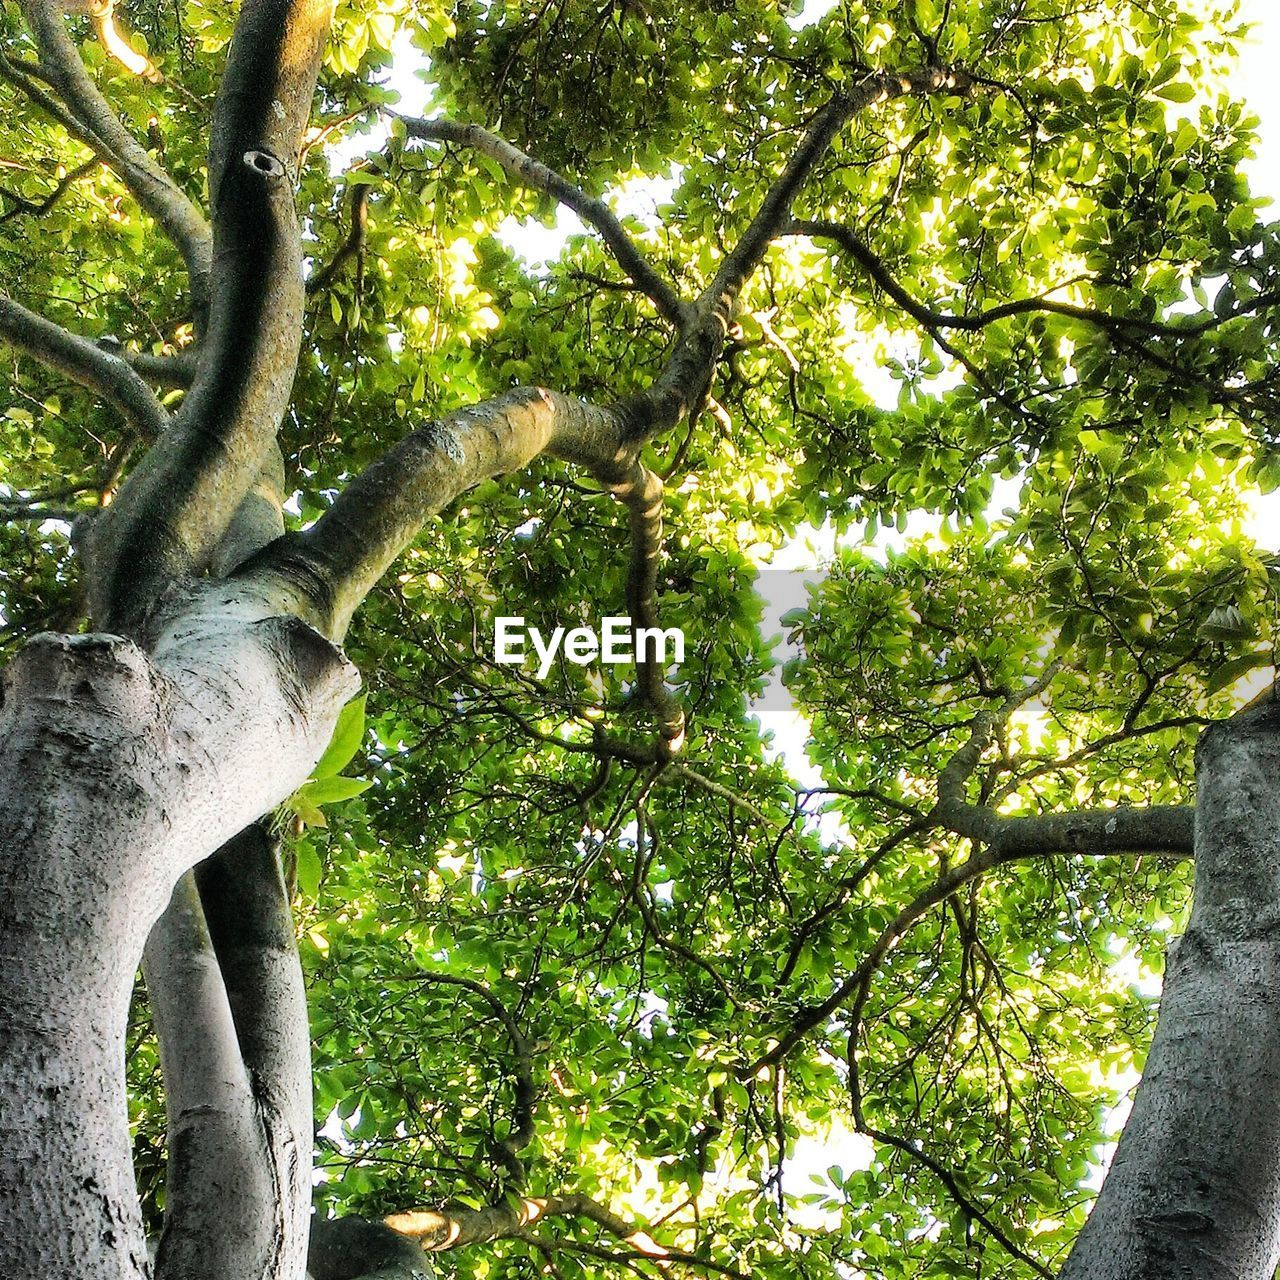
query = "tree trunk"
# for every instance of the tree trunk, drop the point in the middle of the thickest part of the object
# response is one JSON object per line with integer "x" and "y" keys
{"x": 1194, "y": 1188}
{"x": 118, "y": 771}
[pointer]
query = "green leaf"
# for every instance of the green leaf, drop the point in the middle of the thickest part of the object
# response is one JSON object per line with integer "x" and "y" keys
{"x": 308, "y": 814}
{"x": 348, "y": 734}
{"x": 1240, "y": 220}
{"x": 1226, "y": 624}
{"x": 333, "y": 790}
{"x": 309, "y": 869}
{"x": 1231, "y": 671}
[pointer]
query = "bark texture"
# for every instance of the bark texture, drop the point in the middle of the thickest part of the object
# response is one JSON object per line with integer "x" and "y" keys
{"x": 119, "y": 770}
{"x": 1194, "y": 1188}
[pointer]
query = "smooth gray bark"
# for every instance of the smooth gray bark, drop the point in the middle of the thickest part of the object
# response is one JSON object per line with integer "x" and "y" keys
{"x": 232, "y": 1209}
{"x": 230, "y": 1009}
{"x": 118, "y": 770}
{"x": 228, "y": 999}
{"x": 1194, "y": 1188}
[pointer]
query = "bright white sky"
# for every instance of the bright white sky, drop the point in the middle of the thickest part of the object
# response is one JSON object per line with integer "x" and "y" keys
{"x": 1260, "y": 87}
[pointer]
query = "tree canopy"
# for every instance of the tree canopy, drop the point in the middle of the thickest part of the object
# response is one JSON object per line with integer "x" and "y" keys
{"x": 600, "y": 982}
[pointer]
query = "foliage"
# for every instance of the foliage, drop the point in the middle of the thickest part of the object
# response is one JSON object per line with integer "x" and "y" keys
{"x": 655, "y": 930}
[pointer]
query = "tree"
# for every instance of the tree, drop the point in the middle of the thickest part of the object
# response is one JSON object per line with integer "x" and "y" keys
{"x": 587, "y": 970}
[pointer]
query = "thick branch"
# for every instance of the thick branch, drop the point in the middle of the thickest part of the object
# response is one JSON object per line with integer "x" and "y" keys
{"x": 243, "y": 894}
{"x": 641, "y": 494}
{"x": 175, "y": 507}
{"x": 259, "y": 519}
{"x": 396, "y": 1248}
{"x": 592, "y": 210}
{"x": 85, "y": 363}
{"x": 154, "y": 190}
{"x": 176, "y": 372}
{"x": 1153, "y": 829}
{"x": 437, "y": 1230}
{"x": 199, "y": 1048}
{"x": 356, "y": 1249}
{"x": 251, "y": 925}
{"x": 339, "y": 559}
{"x": 102, "y": 16}
{"x": 1167, "y": 829}
{"x": 218, "y": 1173}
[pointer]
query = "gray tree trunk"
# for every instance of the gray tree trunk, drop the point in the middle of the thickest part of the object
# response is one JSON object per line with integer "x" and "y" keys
{"x": 119, "y": 770}
{"x": 1194, "y": 1189}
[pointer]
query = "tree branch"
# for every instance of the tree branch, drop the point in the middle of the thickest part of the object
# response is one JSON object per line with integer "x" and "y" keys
{"x": 154, "y": 190}
{"x": 351, "y": 247}
{"x": 641, "y": 493}
{"x": 522, "y": 1127}
{"x": 102, "y": 17}
{"x": 38, "y": 208}
{"x": 1166, "y": 829}
{"x": 350, "y": 1248}
{"x": 340, "y": 558}
{"x": 243, "y": 895}
{"x": 258, "y": 521}
{"x": 219, "y": 1174}
{"x": 974, "y": 1210}
{"x": 593, "y": 211}
{"x": 875, "y": 87}
{"x": 684, "y": 383}
{"x": 876, "y": 268}
{"x": 1149, "y": 829}
{"x": 354, "y": 1248}
{"x": 176, "y": 505}
{"x": 176, "y": 372}
{"x": 1095, "y": 833}
{"x": 85, "y": 363}
{"x": 251, "y": 927}
{"x": 998, "y": 839}
{"x": 452, "y": 1227}
{"x": 27, "y": 78}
